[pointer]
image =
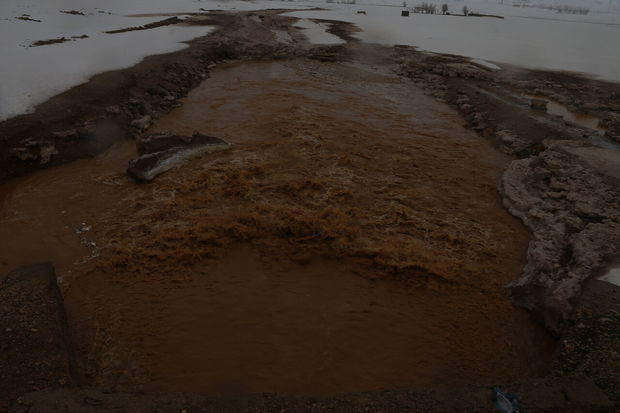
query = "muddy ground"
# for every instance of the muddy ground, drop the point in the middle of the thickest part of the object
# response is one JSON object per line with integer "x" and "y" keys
{"x": 353, "y": 238}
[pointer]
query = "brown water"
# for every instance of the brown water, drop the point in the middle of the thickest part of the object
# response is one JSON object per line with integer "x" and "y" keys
{"x": 40, "y": 213}
{"x": 351, "y": 240}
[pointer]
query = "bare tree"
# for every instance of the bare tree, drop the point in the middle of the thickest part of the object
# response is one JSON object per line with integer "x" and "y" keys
{"x": 465, "y": 10}
{"x": 444, "y": 8}
{"x": 426, "y": 8}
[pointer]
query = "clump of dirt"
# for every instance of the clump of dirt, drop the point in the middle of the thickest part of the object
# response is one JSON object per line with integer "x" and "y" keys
{"x": 73, "y": 12}
{"x": 49, "y": 41}
{"x": 165, "y": 22}
{"x": 27, "y": 18}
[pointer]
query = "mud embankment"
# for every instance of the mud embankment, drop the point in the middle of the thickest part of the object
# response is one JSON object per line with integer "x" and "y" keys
{"x": 564, "y": 187}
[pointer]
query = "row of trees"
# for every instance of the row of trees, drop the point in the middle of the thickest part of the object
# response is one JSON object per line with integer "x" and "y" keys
{"x": 558, "y": 9}
{"x": 430, "y": 8}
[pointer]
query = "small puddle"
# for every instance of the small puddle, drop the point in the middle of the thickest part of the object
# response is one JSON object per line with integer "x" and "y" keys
{"x": 557, "y": 109}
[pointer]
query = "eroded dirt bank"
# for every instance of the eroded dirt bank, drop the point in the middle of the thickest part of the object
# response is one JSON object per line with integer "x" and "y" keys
{"x": 351, "y": 239}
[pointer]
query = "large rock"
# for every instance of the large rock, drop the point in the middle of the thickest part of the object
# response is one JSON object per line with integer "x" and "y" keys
{"x": 34, "y": 346}
{"x": 162, "y": 152}
{"x": 573, "y": 212}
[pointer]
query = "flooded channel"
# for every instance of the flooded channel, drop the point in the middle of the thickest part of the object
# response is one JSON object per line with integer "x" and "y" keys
{"x": 352, "y": 239}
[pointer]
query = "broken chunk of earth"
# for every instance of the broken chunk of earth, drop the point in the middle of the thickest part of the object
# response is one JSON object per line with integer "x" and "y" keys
{"x": 160, "y": 152}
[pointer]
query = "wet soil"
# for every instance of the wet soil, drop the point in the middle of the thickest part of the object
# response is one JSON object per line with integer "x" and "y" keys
{"x": 328, "y": 251}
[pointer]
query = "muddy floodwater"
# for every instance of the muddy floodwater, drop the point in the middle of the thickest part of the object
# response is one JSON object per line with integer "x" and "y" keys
{"x": 352, "y": 239}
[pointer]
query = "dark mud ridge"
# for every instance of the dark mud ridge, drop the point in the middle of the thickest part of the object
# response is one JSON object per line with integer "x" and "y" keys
{"x": 49, "y": 41}
{"x": 165, "y": 22}
{"x": 564, "y": 185}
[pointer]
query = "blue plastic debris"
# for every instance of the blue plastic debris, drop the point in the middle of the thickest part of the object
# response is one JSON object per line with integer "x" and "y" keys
{"x": 505, "y": 402}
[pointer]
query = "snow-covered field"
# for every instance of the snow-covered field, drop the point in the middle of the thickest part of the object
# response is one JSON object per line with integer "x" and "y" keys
{"x": 548, "y": 43}
{"x": 528, "y": 36}
{"x": 31, "y": 75}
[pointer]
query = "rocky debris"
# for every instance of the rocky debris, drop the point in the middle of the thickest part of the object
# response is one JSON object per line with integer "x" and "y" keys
{"x": 589, "y": 345}
{"x": 46, "y": 153}
{"x": 165, "y": 22}
{"x": 49, "y": 41}
{"x": 142, "y": 123}
{"x": 572, "y": 211}
{"x": 565, "y": 394}
{"x": 611, "y": 124}
{"x": 511, "y": 142}
{"x": 32, "y": 150}
{"x": 160, "y": 153}
{"x": 64, "y": 135}
{"x": 23, "y": 154}
{"x": 35, "y": 347}
{"x": 113, "y": 110}
{"x": 538, "y": 104}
